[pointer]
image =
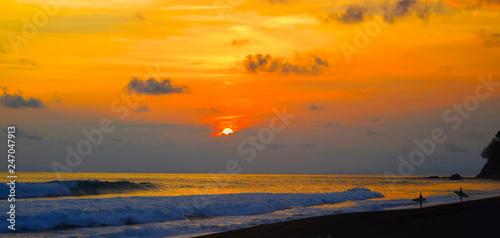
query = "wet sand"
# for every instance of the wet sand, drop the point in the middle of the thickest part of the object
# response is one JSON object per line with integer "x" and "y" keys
{"x": 477, "y": 218}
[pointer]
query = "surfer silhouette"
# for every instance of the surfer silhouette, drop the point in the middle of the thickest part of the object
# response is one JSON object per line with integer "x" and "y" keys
{"x": 461, "y": 194}
{"x": 420, "y": 200}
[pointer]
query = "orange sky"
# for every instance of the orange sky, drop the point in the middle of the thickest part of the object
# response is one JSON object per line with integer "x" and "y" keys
{"x": 424, "y": 56}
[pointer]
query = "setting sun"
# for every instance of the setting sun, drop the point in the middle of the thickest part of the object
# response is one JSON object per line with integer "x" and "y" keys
{"x": 227, "y": 131}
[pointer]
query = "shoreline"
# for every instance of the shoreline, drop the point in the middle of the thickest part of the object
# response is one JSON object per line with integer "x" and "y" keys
{"x": 474, "y": 218}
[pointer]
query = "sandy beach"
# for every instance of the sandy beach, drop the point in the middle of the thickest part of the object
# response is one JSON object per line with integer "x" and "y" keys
{"x": 477, "y": 218}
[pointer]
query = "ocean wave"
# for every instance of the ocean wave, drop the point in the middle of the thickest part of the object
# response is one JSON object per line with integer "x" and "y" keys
{"x": 71, "y": 188}
{"x": 97, "y": 212}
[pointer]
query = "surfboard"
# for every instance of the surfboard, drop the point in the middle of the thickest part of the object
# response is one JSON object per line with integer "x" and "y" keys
{"x": 463, "y": 194}
{"x": 418, "y": 199}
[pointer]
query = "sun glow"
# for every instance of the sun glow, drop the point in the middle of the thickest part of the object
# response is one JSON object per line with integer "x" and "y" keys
{"x": 227, "y": 131}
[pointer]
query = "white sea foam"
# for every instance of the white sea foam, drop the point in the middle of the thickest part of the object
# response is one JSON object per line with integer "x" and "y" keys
{"x": 97, "y": 212}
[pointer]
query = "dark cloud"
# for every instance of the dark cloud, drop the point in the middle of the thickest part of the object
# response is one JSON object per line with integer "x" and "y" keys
{"x": 314, "y": 107}
{"x": 157, "y": 125}
{"x": 2, "y": 50}
{"x": 153, "y": 87}
{"x": 276, "y": 146}
{"x": 143, "y": 108}
{"x": 473, "y": 4}
{"x": 307, "y": 145}
{"x": 390, "y": 10}
{"x": 16, "y": 101}
{"x": 406, "y": 148}
{"x": 333, "y": 124}
{"x": 213, "y": 109}
{"x": 408, "y": 7}
{"x": 139, "y": 16}
{"x": 473, "y": 135}
{"x": 353, "y": 14}
{"x": 18, "y": 63}
{"x": 313, "y": 65}
{"x": 27, "y": 62}
{"x": 398, "y": 9}
{"x": 403, "y": 6}
{"x": 489, "y": 39}
{"x": 238, "y": 42}
{"x": 375, "y": 120}
{"x": 374, "y": 133}
{"x": 493, "y": 2}
{"x": 455, "y": 148}
{"x": 444, "y": 69}
{"x": 276, "y": 1}
{"x": 23, "y": 134}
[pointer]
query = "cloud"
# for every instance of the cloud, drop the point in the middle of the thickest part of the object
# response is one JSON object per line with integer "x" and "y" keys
{"x": 307, "y": 145}
{"x": 153, "y": 87}
{"x": 374, "y": 133}
{"x": 375, "y": 120}
{"x": 399, "y": 9}
{"x": 473, "y": 135}
{"x": 403, "y": 6}
{"x": 444, "y": 69}
{"x": 213, "y": 109}
{"x": 2, "y": 50}
{"x": 227, "y": 84}
{"x": 16, "y": 62}
{"x": 406, "y": 148}
{"x": 333, "y": 124}
{"x": 195, "y": 7}
{"x": 139, "y": 16}
{"x": 314, "y": 107}
{"x": 24, "y": 134}
{"x": 455, "y": 148}
{"x": 159, "y": 125}
{"x": 408, "y": 7}
{"x": 310, "y": 65}
{"x": 115, "y": 139}
{"x": 472, "y": 4}
{"x": 238, "y": 42}
{"x": 16, "y": 101}
{"x": 390, "y": 10}
{"x": 276, "y": 146}
{"x": 27, "y": 62}
{"x": 143, "y": 108}
{"x": 276, "y": 1}
{"x": 489, "y": 39}
{"x": 353, "y": 14}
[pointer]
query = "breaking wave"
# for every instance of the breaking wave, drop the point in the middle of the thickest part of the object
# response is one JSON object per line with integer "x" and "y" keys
{"x": 71, "y": 188}
{"x": 117, "y": 211}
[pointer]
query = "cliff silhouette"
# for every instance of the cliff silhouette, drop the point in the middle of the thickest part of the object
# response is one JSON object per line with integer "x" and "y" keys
{"x": 491, "y": 153}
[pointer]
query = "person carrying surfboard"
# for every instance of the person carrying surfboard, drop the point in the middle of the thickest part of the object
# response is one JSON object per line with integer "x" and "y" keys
{"x": 420, "y": 200}
{"x": 461, "y": 194}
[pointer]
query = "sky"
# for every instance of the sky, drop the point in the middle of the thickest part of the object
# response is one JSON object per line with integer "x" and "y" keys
{"x": 404, "y": 87}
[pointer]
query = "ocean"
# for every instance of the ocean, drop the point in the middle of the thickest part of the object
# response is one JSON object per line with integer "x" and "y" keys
{"x": 186, "y": 205}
